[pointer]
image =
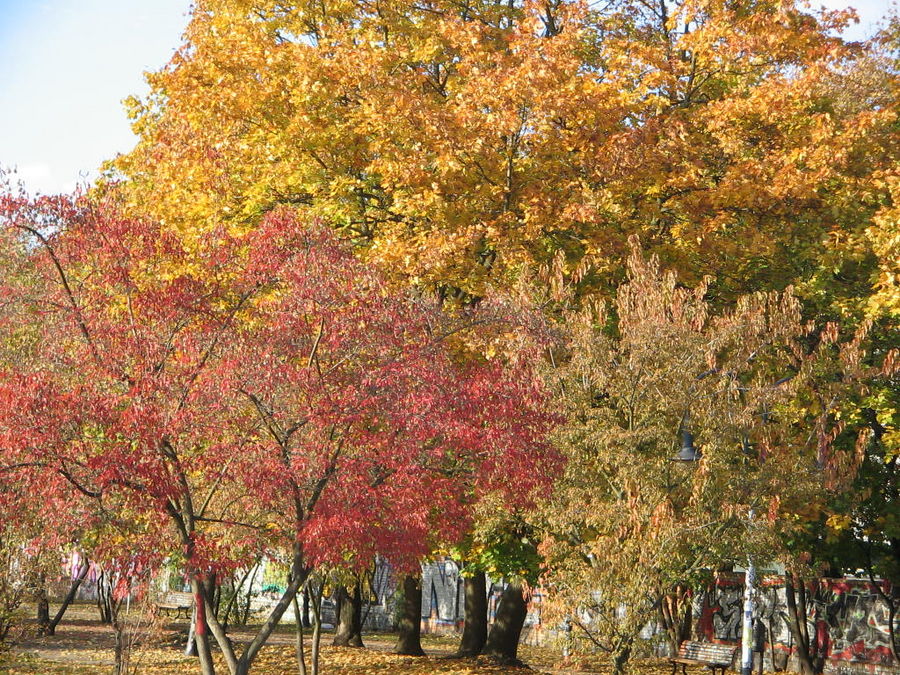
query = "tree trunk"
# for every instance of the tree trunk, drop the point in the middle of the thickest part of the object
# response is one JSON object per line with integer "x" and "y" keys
{"x": 349, "y": 609}
{"x": 190, "y": 649}
{"x": 475, "y": 627}
{"x": 201, "y": 628}
{"x": 298, "y": 644}
{"x": 120, "y": 648}
{"x": 795, "y": 593}
{"x": 621, "y": 656}
{"x": 409, "y": 640}
{"x": 503, "y": 640}
{"x": 43, "y": 608}
{"x": 316, "y": 641}
{"x": 307, "y": 623}
{"x": 675, "y": 609}
{"x": 104, "y": 598}
{"x": 70, "y": 596}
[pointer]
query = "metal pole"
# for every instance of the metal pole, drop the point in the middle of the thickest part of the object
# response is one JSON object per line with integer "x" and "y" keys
{"x": 747, "y": 632}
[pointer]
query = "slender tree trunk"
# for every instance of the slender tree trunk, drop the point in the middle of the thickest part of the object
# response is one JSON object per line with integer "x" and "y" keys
{"x": 70, "y": 596}
{"x": 190, "y": 649}
{"x": 675, "y": 609}
{"x": 298, "y": 647}
{"x": 120, "y": 648}
{"x": 475, "y": 627}
{"x": 316, "y": 643}
{"x": 307, "y": 623}
{"x": 104, "y": 598}
{"x": 298, "y": 577}
{"x": 409, "y": 640}
{"x": 795, "y": 593}
{"x": 232, "y": 601}
{"x": 349, "y": 609}
{"x": 503, "y": 640}
{"x": 316, "y": 602}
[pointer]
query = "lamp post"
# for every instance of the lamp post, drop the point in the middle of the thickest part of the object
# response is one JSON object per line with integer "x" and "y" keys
{"x": 689, "y": 453}
{"x": 747, "y": 628}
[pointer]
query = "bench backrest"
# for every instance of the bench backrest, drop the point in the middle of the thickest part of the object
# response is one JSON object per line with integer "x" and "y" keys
{"x": 178, "y": 598}
{"x": 707, "y": 651}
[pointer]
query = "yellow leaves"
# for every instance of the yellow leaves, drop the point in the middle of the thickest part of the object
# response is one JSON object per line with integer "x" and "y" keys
{"x": 838, "y": 522}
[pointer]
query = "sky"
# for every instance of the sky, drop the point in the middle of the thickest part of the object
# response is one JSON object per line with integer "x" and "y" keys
{"x": 68, "y": 64}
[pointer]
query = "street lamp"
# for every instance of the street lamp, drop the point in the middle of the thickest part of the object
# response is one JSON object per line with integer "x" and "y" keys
{"x": 688, "y": 452}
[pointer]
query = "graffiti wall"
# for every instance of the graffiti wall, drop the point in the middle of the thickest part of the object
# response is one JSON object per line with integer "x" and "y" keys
{"x": 846, "y": 618}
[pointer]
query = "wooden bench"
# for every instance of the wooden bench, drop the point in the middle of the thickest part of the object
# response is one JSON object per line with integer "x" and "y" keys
{"x": 178, "y": 602}
{"x": 713, "y": 656}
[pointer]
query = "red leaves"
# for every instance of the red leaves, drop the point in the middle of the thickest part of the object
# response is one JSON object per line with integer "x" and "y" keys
{"x": 252, "y": 392}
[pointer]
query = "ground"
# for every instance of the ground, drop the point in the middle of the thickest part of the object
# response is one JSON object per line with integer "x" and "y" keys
{"x": 84, "y": 646}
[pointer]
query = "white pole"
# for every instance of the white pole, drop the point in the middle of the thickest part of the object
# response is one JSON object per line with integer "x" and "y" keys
{"x": 747, "y": 633}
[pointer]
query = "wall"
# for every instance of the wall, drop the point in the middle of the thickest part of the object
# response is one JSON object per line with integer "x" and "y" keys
{"x": 847, "y": 616}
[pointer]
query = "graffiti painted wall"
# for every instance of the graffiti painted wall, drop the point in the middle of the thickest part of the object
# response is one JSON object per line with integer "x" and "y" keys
{"x": 847, "y": 618}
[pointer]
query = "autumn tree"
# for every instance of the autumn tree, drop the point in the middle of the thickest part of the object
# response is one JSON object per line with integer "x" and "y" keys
{"x": 256, "y": 393}
{"x": 456, "y": 143}
{"x": 627, "y": 525}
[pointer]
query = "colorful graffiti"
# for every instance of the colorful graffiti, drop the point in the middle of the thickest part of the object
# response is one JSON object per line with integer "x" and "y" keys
{"x": 847, "y": 616}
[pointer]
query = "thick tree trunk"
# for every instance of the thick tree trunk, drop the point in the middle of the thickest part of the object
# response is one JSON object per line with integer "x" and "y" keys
{"x": 621, "y": 655}
{"x": 43, "y": 609}
{"x": 201, "y": 629}
{"x": 675, "y": 609}
{"x": 349, "y": 609}
{"x": 409, "y": 640}
{"x": 503, "y": 640}
{"x": 475, "y": 628}
{"x": 70, "y": 596}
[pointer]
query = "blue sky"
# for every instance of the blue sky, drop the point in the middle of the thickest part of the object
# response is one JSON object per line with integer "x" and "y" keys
{"x": 67, "y": 65}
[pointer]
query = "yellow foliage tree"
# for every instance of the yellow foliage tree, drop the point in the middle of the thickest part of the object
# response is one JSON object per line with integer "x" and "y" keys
{"x": 457, "y": 141}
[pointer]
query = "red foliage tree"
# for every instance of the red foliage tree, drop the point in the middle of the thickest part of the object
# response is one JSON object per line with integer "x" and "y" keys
{"x": 260, "y": 392}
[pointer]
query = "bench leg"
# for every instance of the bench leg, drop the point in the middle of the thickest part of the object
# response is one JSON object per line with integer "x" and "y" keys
{"x": 683, "y": 669}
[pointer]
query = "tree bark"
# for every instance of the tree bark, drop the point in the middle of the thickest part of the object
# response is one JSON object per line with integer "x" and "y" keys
{"x": 349, "y": 610}
{"x": 621, "y": 655}
{"x": 104, "y": 598}
{"x": 795, "y": 594}
{"x": 43, "y": 608}
{"x": 503, "y": 640}
{"x": 307, "y": 623}
{"x": 190, "y": 649}
{"x": 298, "y": 644}
{"x": 409, "y": 640}
{"x": 475, "y": 627}
{"x": 70, "y": 596}
{"x": 675, "y": 609}
{"x": 201, "y": 628}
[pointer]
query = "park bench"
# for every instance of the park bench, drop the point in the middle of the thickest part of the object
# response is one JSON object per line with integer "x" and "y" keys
{"x": 177, "y": 602}
{"x": 713, "y": 656}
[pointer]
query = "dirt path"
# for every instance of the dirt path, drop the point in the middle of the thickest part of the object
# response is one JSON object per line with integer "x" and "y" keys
{"x": 82, "y": 645}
